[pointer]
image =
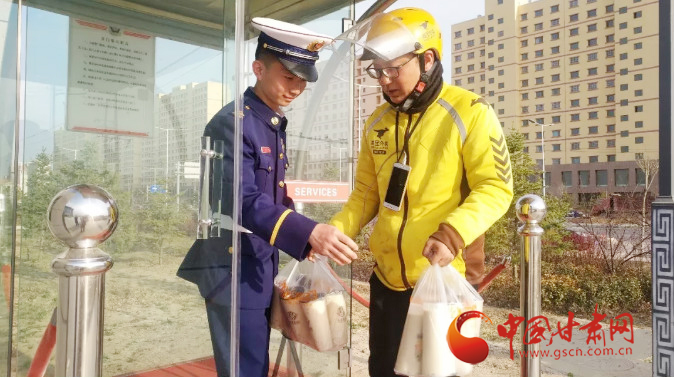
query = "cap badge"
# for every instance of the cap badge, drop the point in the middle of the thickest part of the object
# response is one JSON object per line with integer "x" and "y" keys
{"x": 315, "y": 45}
{"x": 274, "y": 121}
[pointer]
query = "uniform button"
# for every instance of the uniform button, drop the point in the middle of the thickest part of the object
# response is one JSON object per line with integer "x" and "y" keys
{"x": 274, "y": 121}
{"x": 230, "y": 250}
{"x": 269, "y": 168}
{"x": 280, "y": 156}
{"x": 281, "y": 184}
{"x": 287, "y": 165}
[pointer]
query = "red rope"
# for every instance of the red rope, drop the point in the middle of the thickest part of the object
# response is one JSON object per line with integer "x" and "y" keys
{"x": 43, "y": 353}
{"x": 483, "y": 285}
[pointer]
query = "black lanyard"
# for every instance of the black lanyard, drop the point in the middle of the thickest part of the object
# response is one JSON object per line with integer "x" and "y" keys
{"x": 408, "y": 134}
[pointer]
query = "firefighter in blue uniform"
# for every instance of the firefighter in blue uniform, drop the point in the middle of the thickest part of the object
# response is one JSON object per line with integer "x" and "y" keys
{"x": 284, "y": 61}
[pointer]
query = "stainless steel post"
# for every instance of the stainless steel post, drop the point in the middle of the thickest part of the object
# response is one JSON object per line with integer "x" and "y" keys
{"x": 530, "y": 210}
{"x": 82, "y": 216}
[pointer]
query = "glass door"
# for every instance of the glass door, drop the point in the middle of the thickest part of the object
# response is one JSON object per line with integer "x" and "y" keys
{"x": 117, "y": 94}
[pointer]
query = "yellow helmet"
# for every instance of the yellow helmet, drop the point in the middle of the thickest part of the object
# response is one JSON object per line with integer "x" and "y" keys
{"x": 400, "y": 32}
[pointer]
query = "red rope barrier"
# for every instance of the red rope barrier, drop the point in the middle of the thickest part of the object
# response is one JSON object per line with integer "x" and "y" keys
{"x": 43, "y": 353}
{"x": 483, "y": 285}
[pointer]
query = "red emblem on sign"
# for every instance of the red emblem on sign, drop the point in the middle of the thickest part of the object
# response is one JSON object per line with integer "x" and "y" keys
{"x": 265, "y": 150}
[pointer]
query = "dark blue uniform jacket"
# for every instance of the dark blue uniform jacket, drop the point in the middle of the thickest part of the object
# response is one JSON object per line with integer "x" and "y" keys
{"x": 267, "y": 211}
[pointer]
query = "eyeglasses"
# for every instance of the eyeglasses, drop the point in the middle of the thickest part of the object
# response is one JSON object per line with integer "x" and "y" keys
{"x": 389, "y": 72}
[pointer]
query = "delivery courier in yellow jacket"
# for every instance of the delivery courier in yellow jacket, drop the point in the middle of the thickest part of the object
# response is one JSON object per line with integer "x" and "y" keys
{"x": 433, "y": 168}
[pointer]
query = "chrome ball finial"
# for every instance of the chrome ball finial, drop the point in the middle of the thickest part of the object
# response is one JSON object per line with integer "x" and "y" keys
{"x": 530, "y": 208}
{"x": 83, "y": 216}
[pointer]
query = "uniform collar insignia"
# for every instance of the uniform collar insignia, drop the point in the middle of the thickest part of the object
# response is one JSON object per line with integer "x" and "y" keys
{"x": 274, "y": 121}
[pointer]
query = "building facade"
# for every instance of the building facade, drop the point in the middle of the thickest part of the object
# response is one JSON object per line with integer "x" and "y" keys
{"x": 578, "y": 78}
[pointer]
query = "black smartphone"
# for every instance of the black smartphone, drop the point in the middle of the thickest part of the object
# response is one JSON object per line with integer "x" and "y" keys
{"x": 396, "y": 186}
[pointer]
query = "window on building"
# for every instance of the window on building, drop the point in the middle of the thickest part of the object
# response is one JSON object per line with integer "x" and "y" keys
{"x": 539, "y": 149}
{"x": 525, "y": 96}
{"x": 575, "y": 74}
{"x": 601, "y": 177}
{"x": 592, "y": 13}
{"x": 499, "y": 21}
{"x": 525, "y": 83}
{"x": 638, "y": 93}
{"x": 610, "y": 143}
{"x": 554, "y": 63}
{"x": 575, "y": 88}
{"x": 638, "y": 108}
{"x": 592, "y": 71}
{"x": 575, "y": 146}
{"x": 575, "y": 131}
{"x": 554, "y": 36}
{"x": 592, "y": 100}
{"x": 593, "y": 115}
{"x": 523, "y": 17}
{"x": 538, "y": 13}
{"x": 610, "y": 38}
{"x": 610, "y": 83}
{"x": 622, "y": 25}
{"x": 575, "y": 117}
{"x": 609, "y": 23}
{"x": 593, "y": 144}
{"x": 457, "y": 34}
{"x": 610, "y": 128}
{"x": 591, "y": 28}
{"x": 591, "y": 56}
{"x": 554, "y": 8}
{"x": 624, "y": 149}
{"x": 539, "y": 80}
{"x": 555, "y": 161}
{"x": 610, "y": 158}
{"x": 554, "y": 22}
{"x": 540, "y": 107}
{"x": 538, "y": 40}
{"x": 573, "y": 32}
{"x": 539, "y": 53}
{"x": 610, "y": 68}
{"x": 622, "y": 177}
{"x": 638, "y": 61}
{"x": 592, "y": 86}
{"x": 639, "y": 140}
{"x": 556, "y": 105}
{"x": 538, "y": 26}
{"x": 573, "y": 60}
{"x": 573, "y": 17}
{"x": 554, "y": 50}
{"x": 575, "y": 103}
{"x": 556, "y": 147}
{"x": 609, "y": 8}
{"x": 573, "y": 46}
{"x": 556, "y": 91}
{"x": 575, "y": 160}
{"x": 573, "y": 3}
{"x": 637, "y": 14}
{"x": 641, "y": 176}
{"x": 566, "y": 178}
{"x": 539, "y": 94}
{"x": 594, "y": 159}
{"x": 638, "y": 77}
{"x": 638, "y": 46}
{"x": 524, "y": 56}
{"x": 610, "y": 53}
{"x": 610, "y": 113}
{"x": 637, "y": 30}
{"x": 593, "y": 130}
{"x": 584, "y": 178}
{"x": 639, "y": 124}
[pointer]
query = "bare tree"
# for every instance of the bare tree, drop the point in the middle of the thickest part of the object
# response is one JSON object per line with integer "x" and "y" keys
{"x": 650, "y": 169}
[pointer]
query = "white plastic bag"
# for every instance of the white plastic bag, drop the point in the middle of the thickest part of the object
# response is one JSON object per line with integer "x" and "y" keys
{"x": 309, "y": 305}
{"x": 441, "y": 294}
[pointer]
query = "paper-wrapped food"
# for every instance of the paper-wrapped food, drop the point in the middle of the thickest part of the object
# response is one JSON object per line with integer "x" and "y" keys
{"x": 441, "y": 294}
{"x": 309, "y": 305}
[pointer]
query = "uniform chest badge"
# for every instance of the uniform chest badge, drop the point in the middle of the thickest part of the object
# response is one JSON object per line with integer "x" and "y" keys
{"x": 274, "y": 121}
{"x": 265, "y": 150}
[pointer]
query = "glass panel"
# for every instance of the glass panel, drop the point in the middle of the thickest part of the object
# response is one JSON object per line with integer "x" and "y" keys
{"x": 622, "y": 177}
{"x": 602, "y": 177}
{"x": 319, "y": 175}
{"x": 567, "y": 178}
{"x": 584, "y": 178}
{"x": 131, "y": 123}
{"x": 8, "y": 94}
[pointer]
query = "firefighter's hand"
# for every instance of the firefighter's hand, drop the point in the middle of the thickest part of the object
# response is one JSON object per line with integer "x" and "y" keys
{"x": 437, "y": 252}
{"x": 328, "y": 241}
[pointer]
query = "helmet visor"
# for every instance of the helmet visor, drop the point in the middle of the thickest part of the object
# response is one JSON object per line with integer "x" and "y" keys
{"x": 380, "y": 37}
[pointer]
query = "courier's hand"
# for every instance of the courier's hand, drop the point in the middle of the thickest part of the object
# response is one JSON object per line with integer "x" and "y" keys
{"x": 328, "y": 241}
{"x": 437, "y": 252}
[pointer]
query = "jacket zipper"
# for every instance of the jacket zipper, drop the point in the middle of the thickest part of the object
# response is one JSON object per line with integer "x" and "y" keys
{"x": 403, "y": 271}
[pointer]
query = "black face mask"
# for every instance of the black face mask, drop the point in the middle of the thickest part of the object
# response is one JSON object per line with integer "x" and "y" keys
{"x": 425, "y": 91}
